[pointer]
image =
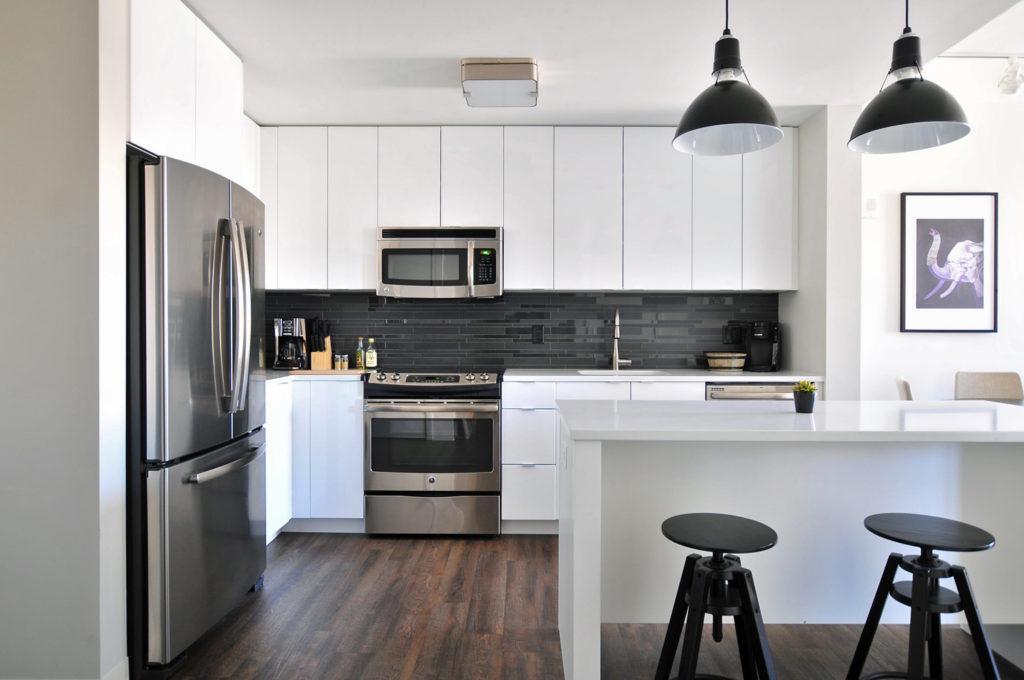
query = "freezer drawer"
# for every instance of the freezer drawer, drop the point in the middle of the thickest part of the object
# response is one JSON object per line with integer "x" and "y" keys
{"x": 206, "y": 542}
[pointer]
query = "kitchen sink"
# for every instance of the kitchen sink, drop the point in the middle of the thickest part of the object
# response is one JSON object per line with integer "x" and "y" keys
{"x": 621, "y": 371}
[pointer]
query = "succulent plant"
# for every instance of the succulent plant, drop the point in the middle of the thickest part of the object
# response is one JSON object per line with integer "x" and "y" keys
{"x": 805, "y": 386}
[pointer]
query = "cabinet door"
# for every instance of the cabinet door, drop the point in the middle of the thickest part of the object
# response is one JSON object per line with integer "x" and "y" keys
{"x": 670, "y": 391}
{"x": 528, "y": 437}
{"x": 279, "y": 455}
{"x": 717, "y": 222}
{"x": 769, "y": 216}
{"x": 592, "y": 390}
{"x": 249, "y": 168}
{"x": 300, "y": 448}
{"x": 302, "y": 207}
{"x": 163, "y": 78}
{"x": 588, "y": 208}
{"x": 529, "y": 208}
{"x": 352, "y": 208}
{"x": 529, "y": 492}
{"x": 656, "y": 211}
{"x": 471, "y": 169}
{"x": 409, "y": 177}
{"x": 336, "y": 449}
{"x": 218, "y": 106}
{"x": 268, "y": 194}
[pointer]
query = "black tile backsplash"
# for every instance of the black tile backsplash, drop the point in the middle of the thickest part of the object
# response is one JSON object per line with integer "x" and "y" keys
{"x": 527, "y": 330}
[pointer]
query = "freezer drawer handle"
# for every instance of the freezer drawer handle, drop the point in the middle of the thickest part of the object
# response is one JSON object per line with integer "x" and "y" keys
{"x": 227, "y": 468}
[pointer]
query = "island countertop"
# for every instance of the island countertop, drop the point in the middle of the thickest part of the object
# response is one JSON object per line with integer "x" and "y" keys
{"x": 832, "y": 421}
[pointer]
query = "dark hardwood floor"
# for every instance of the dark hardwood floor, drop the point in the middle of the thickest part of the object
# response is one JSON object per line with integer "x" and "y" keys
{"x": 350, "y": 607}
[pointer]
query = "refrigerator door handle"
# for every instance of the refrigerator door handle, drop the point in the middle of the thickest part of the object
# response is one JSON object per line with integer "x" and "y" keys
{"x": 218, "y": 326}
{"x": 227, "y": 468}
{"x": 243, "y": 327}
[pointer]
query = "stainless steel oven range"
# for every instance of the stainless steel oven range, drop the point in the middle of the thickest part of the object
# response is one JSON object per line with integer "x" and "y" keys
{"x": 433, "y": 453}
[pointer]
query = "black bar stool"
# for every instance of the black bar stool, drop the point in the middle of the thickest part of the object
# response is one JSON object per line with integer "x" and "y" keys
{"x": 720, "y": 586}
{"x": 923, "y": 594}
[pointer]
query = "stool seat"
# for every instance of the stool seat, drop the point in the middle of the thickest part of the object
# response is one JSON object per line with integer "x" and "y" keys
{"x": 925, "y": 531}
{"x": 718, "y": 533}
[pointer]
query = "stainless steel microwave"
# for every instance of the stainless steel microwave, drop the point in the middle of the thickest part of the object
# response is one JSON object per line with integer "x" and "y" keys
{"x": 439, "y": 262}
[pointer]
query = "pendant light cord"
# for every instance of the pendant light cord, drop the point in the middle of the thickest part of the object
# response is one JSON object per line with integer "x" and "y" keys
{"x": 727, "y": 15}
{"x": 906, "y": 22}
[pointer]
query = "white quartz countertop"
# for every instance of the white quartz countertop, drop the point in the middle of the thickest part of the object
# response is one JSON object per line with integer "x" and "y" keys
{"x": 654, "y": 375}
{"x": 348, "y": 376}
{"x": 832, "y": 421}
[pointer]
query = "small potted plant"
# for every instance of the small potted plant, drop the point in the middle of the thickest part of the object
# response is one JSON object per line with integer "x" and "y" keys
{"x": 803, "y": 396}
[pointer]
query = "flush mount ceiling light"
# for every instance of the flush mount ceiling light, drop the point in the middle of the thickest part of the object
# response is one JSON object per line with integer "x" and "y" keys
{"x": 912, "y": 113}
{"x": 730, "y": 116}
{"x": 500, "y": 82}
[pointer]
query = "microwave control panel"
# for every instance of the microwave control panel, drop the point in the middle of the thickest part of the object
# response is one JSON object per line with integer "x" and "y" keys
{"x": 485, "y": 266}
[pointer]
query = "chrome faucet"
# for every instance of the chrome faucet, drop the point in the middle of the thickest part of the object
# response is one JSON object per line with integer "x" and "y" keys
{"x": 617, "y": 362}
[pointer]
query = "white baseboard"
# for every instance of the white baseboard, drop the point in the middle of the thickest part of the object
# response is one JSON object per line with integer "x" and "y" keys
{"x": 521, "y": 526}
{"x": 118, "y": 672}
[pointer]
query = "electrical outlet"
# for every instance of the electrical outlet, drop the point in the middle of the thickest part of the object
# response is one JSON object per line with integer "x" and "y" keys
{"x": 538, "y": 334}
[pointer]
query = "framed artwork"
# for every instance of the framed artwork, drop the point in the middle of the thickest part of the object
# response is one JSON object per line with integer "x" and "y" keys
{"x": 948, "y": 275}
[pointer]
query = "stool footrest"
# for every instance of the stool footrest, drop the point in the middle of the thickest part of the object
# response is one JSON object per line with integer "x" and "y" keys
{"x": 940, "y": 601}
{"x": 889, "y": 674}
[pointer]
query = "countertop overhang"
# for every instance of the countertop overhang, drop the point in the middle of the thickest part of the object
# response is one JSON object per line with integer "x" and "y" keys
{"x": 662, "y": 375}
{"x": 758, "y": 421}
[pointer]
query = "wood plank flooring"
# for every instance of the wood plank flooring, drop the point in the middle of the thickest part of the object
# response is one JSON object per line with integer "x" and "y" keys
{"x": 351, "y": 607}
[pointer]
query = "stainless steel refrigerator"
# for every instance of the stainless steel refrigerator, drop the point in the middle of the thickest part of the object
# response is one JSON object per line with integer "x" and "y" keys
{"x": 196, "y": 445}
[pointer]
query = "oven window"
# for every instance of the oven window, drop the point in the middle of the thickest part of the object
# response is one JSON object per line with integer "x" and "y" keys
{"x": 424, "y": 266}
{"x": 432, "y": 445}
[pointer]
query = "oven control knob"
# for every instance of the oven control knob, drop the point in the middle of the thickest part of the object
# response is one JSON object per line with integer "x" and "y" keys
{"x": 395, "y": 377}
{"x": 432, "y": 479}
{"x": 470, "y": 377}
{"x": 484, "y": 377}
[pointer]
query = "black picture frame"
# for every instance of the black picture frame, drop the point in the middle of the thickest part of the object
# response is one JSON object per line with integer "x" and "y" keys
{"x": 994, "y": 261}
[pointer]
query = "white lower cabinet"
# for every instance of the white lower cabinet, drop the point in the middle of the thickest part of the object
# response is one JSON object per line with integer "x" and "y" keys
{"x": 667, "y": 391}
{"x": 529, "y": 492}
{"x": 592, "y": 390}
{"x": 279, "y": 456}
{"x": 327, "y": 449}
{"x": 528, "y": 437}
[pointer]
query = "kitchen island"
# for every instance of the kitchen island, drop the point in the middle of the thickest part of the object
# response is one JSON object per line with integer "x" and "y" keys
{"x": 628, "y": 465}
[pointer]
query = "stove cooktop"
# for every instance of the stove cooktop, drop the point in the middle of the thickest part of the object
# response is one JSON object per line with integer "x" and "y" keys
{"x": 419, "y": 385}
{"x": 402, "y": 379}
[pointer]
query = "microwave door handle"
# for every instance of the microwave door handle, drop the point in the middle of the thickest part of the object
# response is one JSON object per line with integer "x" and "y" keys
{"x": 218, "y": 328}
{"x": 244, "y": 324}
{"x": 471, "y": 267}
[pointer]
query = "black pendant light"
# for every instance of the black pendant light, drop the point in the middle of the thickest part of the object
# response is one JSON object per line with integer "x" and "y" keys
{"x": 730, "y": 117}
{"x": 911, "y": 113}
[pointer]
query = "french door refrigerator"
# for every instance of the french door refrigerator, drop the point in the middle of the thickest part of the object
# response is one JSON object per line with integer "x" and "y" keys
{"x": 196, "y": 444}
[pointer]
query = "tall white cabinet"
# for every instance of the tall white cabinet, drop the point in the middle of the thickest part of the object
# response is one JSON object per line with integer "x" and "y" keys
{"x": 529, "y": 220}
{"x": 302, "y": 208}
{"x": 409, "y": 176}
{"x": 657, "y": 211}
{"x": 268, "y": 193}
{"x": 471, "y": 176}
{"x": 352, "y": 208}
{"x": 219, "y": 132}
{"x": 769, "y": 216}
{"x": 717, "y": 222}
{"x": 588, "y": 208}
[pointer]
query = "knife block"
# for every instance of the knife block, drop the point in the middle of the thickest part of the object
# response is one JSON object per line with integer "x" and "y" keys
{"x": 322, "y": 361}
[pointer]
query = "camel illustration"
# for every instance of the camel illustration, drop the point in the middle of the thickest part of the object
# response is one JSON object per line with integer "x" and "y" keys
{"x": 963, "y": 264}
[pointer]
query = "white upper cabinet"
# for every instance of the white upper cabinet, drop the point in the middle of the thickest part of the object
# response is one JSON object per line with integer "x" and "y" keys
{"x": 657, "y": 211}
{"x": 769, "y": 216}
{"x": 471, "y": 176}
{"x": 588, "y": 208}
{"x": 219, "y": 145}
{"x": 249, "y": 169}
{"x": 268, "y": 194}
{"x": 529, "y": 208}
{"x": 163, "y": 78}
{"x": 352, "y": 208}
{"x": 409, "y": 177}
{"x": 717, "y": 222}
{"x": 302, "y": 207}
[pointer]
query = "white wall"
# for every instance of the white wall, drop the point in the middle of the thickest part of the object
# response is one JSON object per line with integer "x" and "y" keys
{"x": 990, "y": 158}
{"x": 62, "y": 190}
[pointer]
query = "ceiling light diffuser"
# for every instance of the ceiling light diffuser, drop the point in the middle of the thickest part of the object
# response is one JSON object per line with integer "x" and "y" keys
{"x": 500, "y": 82}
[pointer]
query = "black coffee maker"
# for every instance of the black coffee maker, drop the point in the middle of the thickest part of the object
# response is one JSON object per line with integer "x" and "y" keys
{"x": 763, "y": 341}
{"x": 289, "y": 344}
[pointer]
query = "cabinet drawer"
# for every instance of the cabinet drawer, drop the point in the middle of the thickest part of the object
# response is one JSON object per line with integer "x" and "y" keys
{"x": 592, "y": 390}
{"x": 529, "y": 492}
{"x": 686, "y": 391}
{"x": 528, "y": 437}
{"x": 528, "y": 395}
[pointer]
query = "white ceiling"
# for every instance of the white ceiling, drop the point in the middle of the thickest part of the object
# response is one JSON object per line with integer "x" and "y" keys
{"x": 601, "y": 61}
{"x": 1003, "y": 36}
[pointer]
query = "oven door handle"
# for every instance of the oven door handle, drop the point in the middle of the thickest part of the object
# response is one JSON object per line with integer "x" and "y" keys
{"x": 431, "y": 408}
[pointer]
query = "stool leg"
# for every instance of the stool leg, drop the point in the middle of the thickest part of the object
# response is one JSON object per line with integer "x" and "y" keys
{"x": 963, "y": 586}
{"x": 752, "y": 612}
{"x": 694, "y": 624}
{"x": 918, "y": 627}
{"x": 675, "y": 622}
{"x": 867, "y": 635}
{"x": 935, "y": 648}
{"x": 745, "y": 644}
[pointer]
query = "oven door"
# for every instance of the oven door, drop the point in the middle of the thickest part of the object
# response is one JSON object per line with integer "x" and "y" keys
{"x": 433, "y": 446}
{"x": 439, "y": 268}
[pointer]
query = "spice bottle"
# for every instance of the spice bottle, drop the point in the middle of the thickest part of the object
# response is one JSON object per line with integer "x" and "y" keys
{"x": 360, "y": 354}
{"x": 371, "y": 354}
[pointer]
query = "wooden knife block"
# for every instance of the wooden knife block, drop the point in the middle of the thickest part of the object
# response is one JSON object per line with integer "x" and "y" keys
{"x": 321, "y": 361}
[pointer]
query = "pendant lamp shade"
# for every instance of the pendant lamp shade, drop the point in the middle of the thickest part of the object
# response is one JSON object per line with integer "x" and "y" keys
{"x": 729, "y": 117}
{"x": 912, "y": 113}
